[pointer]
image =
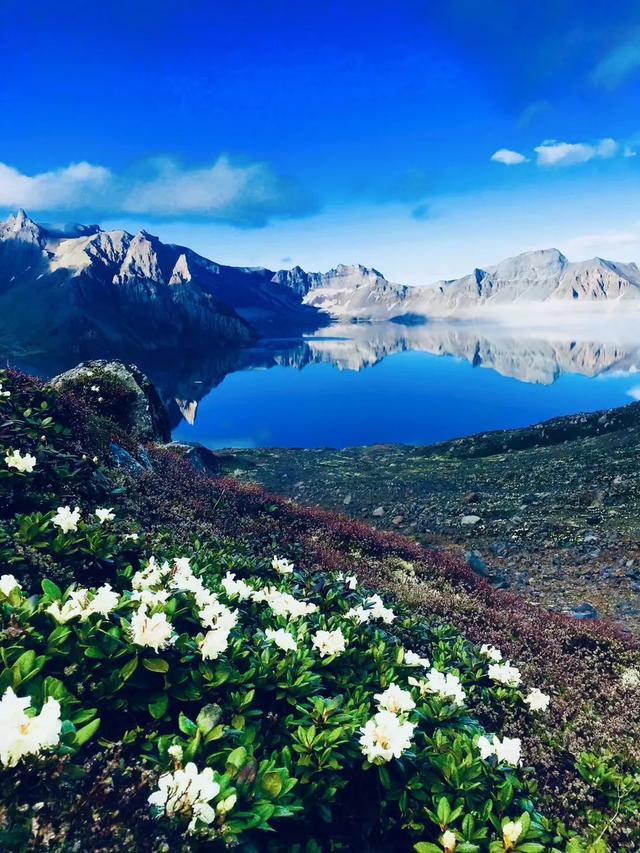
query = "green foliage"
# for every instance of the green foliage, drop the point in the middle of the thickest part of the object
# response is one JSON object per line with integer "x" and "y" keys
{"x": 279, "y": 730}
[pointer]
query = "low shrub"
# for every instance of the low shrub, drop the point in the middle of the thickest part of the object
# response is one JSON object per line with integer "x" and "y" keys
{"x": 216, "y": 695}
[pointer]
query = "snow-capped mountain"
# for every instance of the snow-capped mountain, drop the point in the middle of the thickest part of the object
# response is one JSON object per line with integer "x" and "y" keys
{"x": 89, "y": 289}
{"x": 544, "y": 279}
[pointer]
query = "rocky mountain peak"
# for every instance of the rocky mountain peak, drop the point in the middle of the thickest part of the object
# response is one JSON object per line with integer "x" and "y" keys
{"x": 141, "y": 261}
{"x": 20, "y": 227}
{"x": 181, "y": 272}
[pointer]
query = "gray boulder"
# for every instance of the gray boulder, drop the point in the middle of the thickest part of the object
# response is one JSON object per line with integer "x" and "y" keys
{"x": 122, "y": 393}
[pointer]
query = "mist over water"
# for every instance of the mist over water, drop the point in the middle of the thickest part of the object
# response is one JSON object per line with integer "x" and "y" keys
{"x": 388, "y": 383}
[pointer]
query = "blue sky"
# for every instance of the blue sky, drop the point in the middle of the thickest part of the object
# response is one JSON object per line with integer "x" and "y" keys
{"x": 277, "y": 132}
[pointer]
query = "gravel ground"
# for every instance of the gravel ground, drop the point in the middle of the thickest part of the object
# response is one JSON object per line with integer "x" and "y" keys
{"x": 551, "y": 512}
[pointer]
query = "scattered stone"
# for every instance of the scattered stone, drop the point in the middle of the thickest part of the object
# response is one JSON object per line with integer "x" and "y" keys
{"x": 378, "y": 512}
{"x": 347, "y": 500}
{"x": 478, "y": 565}
{"x": 397, "y": 520}
{"x": 470, "y": 520}
{"x": 584, "y": 611}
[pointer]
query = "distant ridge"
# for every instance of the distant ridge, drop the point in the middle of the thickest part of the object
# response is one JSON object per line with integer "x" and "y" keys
{"x": 90, "y": 290}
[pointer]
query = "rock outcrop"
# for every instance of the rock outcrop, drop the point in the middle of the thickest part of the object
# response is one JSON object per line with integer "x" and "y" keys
{"x": 131, "y": 399}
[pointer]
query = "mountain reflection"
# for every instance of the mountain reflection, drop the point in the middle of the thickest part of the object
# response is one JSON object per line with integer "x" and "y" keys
{"x": 538, "y": 356}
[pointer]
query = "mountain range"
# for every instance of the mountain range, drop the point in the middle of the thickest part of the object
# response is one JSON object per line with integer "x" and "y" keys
{"x": 90, "y": 291}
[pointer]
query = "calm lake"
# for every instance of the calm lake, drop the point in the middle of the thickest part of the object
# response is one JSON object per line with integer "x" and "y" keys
{"x": 387, "y": 383}
{"x": 384, "y": 383}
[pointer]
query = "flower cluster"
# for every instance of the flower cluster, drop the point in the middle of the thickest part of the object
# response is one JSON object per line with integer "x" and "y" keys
{"x": 329, "y": 642}
{"x": 187, "y": 793}
{"x": 445, "y": 685}
{"x": 505, "y": 673}
{"x": 23, "y": 463}
{"x": 8, "y": 583}
{"x": 83, "y": 603}
{"x": 371, "y": 608}
{"x": 506, "y": 751}
{"x": 23, "y": 734}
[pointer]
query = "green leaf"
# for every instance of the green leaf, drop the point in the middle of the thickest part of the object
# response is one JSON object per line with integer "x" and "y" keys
{"x": 208, "y": 717}
{"x": 444, "y": 811}
{"x": 237, "y": 758}
{"x": 129, "y": 668}
{"x": 156, "y": 664}
{"x": 158, "y": 706}
{"x": 272, "y": 783}
{"x": 86, "y": 732}
{"x": 186, "y": 726}
{"x": 94, "y": 652}
{"x": 50, "y": 589}
{"x": 426, "y": 847}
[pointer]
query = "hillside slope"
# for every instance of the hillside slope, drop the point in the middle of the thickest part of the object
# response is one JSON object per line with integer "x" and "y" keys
{"x": 550, "y": 510}
{"x": 279, "y": 726}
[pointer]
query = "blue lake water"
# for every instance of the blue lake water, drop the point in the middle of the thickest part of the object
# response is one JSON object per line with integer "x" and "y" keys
{"x": 352, "y": 386}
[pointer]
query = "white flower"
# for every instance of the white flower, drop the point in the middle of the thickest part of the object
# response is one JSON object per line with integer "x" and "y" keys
{"x": 349, "y": 580}
{"x": 21, "y": 734}
{"x": 511, "y": 832}
{"x": 8, "y": 583}
{"x": 214, "y": 643}
{"x": 16, "y": 460}
{"x": 329, "y": 642}
{"x": 151, "y": 575}
{"x": 95, "y": 388}
{"x": 153, "y": 631}
{"x": 447, "y": 686}
{"x": 414, "y": 659}
{"x": 449, "y": 841}
{"x": 487, "y": 749}
{"x": 182, "y": 564}
{"x": 281, "y": 638}
{"x": 491, "y": 653}
{"x": 395, "y": 700}
{"x": 66, "y": 518}
{"x": 371, "y": 608}
{"x": 227, "y": 804}
{"x": 537, "y": 700}
{"x": 4, "y": 393}
{"x": 234, "y": 587}
{"x": 630, "y": 678}
{"x": 131, "y": 537}
{"x": 282, "y": 603}
{"x": 505, "y": 673}
{"x": 104, "y": 600}
{"x": 282, "y": 566}
{"x": 187, "y": 793}
{"x": 507, "y": 750}
{"x": 175, "y": 751}
{"x": 72, "y": 608}
{"x": 385, "y": 736}
{"x": 105, "y": 515}
{"x": 217, "y": 615}
{"x": 150, "y": 598}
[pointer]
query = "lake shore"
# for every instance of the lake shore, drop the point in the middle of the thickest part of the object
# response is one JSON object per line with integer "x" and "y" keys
{"x": 551, "y": 511}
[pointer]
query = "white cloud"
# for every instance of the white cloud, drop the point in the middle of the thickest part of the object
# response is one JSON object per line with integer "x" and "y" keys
{"x": 619, "y": 64}
{"x": 60, "y": 189}
{"x": 629, "y": 151}
{"x": 634, "y": 392}
{"x": 552, "y": 153}
{"x": 242, "y": 194}
{"x": 508, "y": 157}
{"x": 604, "y": 243}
